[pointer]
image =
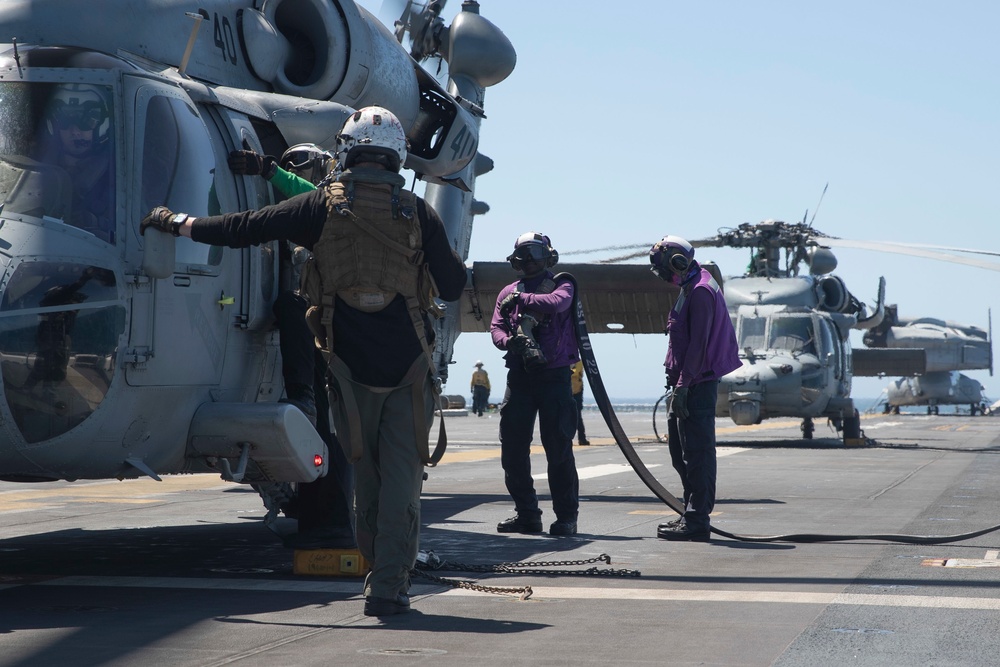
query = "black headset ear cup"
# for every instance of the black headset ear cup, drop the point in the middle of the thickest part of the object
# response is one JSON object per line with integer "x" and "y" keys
{"x": 679, "y": 263}
{"x": 553, "y": 258}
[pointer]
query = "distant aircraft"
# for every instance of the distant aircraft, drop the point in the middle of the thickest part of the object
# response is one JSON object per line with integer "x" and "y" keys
{"x": 950, "y": 347}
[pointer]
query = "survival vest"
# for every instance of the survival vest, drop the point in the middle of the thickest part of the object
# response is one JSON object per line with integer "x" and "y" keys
{"x": 370, "y": 251}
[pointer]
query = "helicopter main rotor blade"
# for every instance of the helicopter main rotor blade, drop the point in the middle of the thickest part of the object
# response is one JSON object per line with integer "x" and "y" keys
{"x": 640, "y": 248}
{"x": 915, "y": 251}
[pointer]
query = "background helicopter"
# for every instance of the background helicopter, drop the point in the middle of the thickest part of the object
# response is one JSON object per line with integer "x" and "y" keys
{"x": 950, "y": 347}
{"x": 125, "y": 355}
{"x": 793, "y": 329}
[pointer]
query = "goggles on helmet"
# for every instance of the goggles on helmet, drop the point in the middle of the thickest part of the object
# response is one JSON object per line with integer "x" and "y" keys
{"x": 84, "y": 117}
{"x": 304, "y": 159}
{"x": 532, "y": 252}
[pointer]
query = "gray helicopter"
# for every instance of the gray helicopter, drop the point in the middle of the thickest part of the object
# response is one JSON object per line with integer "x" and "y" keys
{"x": 793, "y": 328}
{"x": 125, "y": 355}
{"x": 950, "y": 347}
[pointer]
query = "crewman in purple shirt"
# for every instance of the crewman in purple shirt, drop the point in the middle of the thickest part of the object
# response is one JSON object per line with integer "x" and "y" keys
{"x": 702, "y": 348}
{"x": 533, "y": 322}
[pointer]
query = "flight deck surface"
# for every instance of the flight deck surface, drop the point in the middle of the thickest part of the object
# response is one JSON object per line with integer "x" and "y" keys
{"x": 182, "y": 572}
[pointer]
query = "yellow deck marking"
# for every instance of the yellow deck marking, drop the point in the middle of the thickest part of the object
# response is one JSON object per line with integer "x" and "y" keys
{"x": 130, "y": 491}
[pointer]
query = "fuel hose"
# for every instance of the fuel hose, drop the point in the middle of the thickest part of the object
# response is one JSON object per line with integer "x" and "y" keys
{"x": 635, "y": 461}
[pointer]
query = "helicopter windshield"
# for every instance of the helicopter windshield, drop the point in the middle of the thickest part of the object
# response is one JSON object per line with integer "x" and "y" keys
{"x": 752, "y": 332}
{"x": 792, "y": 332}
{"x": 59, "y": 329}
{"x": 57, "y": 154}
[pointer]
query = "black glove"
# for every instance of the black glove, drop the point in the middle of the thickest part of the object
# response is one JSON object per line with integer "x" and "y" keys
{"x": 160, "y": 218}
{"x": 252, "y": 164}
{"x": 517, "y": 344}
{"x": 679, "y": 403}
{"x": 508, "y": 302}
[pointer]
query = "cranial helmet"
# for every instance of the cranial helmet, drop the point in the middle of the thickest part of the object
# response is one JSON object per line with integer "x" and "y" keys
{"x": 479, "y": 364}
{"x": 308, "y": 161}
{"x": 533, "y": 246}
{"x": 374, "y": 133}
{"x": 671, "y": 258}
{"x": 79, "y": 105}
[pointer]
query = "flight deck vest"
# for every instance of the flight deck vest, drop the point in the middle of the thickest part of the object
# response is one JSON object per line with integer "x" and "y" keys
{"x": 370, "y": 251}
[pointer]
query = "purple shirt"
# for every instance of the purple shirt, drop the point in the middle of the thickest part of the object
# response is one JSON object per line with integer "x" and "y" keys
{"x": 554, "y": 332}
{"x": 703, "y": 343}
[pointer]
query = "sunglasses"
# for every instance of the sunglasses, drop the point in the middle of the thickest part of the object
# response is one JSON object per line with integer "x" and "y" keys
{"x": 83, "y": 118}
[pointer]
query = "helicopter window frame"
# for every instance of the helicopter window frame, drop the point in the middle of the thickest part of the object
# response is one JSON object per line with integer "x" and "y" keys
{"x": 752, "y": 332}
{"x": 62, "y": 324}
{"x": 167, "y": 163}
{"x": 36, "y": 158}
{"x": 828, "y": 328}
{"x": 777, "y": 333}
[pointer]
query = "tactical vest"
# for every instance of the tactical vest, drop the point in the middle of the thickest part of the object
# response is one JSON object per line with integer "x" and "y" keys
{"x": 370, "y": 251}
{"x": 370, "y": 248}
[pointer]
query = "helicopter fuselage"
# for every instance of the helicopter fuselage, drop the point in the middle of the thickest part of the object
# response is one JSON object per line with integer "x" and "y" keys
{"x": 125, "y": 355}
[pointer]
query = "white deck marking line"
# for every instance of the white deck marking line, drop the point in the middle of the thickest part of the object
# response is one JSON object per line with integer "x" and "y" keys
{"x": 992, "y": 555}
{"x": 602, "y": 470}
{"x": 544, "y": 592}
{"x": 789, "y": 597}
{"x": 591, "y": 472}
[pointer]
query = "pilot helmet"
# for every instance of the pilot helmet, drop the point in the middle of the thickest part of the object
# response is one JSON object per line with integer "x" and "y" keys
{"x": 308, "y": 161}
{"x": 671, "y": 258}
{"x": 374, "y": 133}
{"x": 80, "y": 105}
{"x": 533, "y": 246}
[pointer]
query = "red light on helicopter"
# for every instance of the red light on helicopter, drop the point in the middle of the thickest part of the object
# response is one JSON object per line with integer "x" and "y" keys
{"x": 318, "y": 460}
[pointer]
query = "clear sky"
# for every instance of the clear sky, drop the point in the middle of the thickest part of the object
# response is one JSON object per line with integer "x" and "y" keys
{"x": 623, "y": 122}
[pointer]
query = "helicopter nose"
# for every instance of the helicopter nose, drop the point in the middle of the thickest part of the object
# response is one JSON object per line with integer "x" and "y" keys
{"x": 60, "y": 325}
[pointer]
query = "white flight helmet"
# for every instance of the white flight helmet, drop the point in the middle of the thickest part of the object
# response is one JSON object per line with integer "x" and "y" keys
{"x": 81, "y": 105}
{"x": 375, "y": 133}
{"x": 308, "y": 161}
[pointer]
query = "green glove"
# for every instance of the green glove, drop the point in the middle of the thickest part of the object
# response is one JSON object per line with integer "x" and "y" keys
{"x": 679, "y": 403}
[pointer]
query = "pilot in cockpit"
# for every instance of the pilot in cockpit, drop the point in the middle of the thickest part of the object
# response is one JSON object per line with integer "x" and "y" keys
{"x": 78, "y": 139}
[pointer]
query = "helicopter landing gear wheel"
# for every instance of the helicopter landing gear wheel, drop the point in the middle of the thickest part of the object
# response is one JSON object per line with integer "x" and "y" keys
{"x": 852, "y": 426}
{"x": 807, "y": 427}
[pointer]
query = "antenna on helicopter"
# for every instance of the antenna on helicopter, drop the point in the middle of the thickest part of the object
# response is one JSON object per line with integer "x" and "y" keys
{"x": 816, "y": 210}
{"x": 198, "y": 18}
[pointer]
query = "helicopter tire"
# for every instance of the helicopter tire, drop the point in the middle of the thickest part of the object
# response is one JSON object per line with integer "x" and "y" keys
{"x": 807, "y": 428}
{"x": 852, "y": 426}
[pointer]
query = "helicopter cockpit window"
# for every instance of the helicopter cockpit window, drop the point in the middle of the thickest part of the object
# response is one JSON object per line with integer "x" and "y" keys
{"x": 752, "y": 333}
{"x": 178, "y": 170}
{"x": 792, "y": 333}
{"x": 57, "y": 154}
{"x": 60, "y": 324}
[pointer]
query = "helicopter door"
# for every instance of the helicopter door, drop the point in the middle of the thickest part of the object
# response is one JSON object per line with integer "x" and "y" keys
{"x": 831, "y": 346}
{"x": 179, "y": 324}
{"x": 260, "y": 262}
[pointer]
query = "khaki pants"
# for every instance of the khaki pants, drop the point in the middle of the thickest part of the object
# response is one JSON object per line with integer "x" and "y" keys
{"x": 388, "y": 480}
